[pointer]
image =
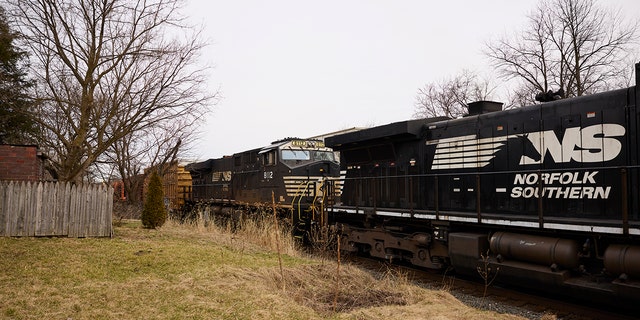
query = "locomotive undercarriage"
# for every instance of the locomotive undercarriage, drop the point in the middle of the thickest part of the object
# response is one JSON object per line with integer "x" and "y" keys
{"x": 420, "y": 245}
{"x": 302, "y": 214}
{"x": 417, "y": 249}
{"x": 569, "y": 265}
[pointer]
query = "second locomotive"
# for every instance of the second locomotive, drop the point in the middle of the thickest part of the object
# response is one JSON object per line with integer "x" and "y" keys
{"x": 299, "y": 175}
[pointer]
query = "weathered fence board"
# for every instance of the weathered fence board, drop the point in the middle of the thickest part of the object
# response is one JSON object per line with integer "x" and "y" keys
{"x": 55, "y": 209}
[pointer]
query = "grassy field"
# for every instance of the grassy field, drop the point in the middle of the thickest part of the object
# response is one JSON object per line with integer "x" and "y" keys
{"x": 193, "y": 272}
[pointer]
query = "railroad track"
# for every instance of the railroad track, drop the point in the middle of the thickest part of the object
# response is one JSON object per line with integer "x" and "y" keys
{"x": 497, "y": 298}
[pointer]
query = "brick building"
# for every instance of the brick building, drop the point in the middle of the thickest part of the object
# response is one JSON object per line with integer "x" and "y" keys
{"x": 22, "y": 163}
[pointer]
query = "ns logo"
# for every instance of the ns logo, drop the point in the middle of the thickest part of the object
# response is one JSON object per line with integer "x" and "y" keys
{"x": 596, "y": 143}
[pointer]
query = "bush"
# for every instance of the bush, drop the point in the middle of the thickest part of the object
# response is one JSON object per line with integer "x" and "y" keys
{"x": 154, "y": 214}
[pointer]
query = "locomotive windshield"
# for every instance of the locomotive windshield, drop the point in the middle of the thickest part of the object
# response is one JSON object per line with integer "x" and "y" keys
{"x": 294, "y": 157}
{"x": 323, "y": 156}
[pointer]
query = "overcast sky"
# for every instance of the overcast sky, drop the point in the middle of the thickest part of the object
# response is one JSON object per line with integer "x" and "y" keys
{"x": 295, "y": 68}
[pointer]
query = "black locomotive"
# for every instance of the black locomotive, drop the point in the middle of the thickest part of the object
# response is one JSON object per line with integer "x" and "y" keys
{"x": 299, "y": 175}
{"x": 547, "y": 194}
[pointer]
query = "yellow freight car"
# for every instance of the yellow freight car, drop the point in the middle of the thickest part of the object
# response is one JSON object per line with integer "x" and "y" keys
{"x": 176, "y": 184}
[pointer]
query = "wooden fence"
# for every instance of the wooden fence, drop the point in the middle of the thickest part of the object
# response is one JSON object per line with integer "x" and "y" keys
{"x": 55, "y": 209}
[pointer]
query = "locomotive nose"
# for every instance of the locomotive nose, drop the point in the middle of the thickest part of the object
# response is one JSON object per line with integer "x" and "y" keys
{"x": 322, "y": 169}
{"x": 325, "y": 170}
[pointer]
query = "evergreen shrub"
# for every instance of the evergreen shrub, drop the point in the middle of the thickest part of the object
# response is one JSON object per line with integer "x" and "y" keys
{"x": 154, "y": 214}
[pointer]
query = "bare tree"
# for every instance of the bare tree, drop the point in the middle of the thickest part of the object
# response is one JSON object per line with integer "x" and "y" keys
{"x": 572, "y": 47}
{"x": 108, "y": 70}
{"x": 519, "y": 96}
{"x": 156, "y": 146}
{"x": 449, "y": 97}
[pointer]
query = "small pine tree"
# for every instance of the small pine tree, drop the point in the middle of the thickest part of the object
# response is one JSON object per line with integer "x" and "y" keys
{"x": 154, "y": 214}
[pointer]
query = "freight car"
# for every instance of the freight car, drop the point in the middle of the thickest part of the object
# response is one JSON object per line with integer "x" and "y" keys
{"x": 546, "y": 196}
{"x": 176, "y": 184}
{"x": 299, "y": 175}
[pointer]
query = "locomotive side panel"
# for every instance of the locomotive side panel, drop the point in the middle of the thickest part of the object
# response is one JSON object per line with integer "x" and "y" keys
{"x": 246, "y": 180}
{"x": 221, "y": 179}
{"x": 453, "y": 191}
{"x": 383, "y": 172}
{"x": 211, "y": 179}
{"x": 544, "y": 163}
{"x": 633, "y": 140}
{"x": 270, "y": 175}
{"x": 567, "y": 154}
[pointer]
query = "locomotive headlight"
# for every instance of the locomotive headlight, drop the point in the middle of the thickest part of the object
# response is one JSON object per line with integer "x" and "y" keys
{"x": 321, "y": 169}
{"x": 412, "y": 162}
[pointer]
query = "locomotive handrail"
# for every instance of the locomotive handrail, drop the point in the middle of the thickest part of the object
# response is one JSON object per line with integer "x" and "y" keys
{"x": 299, "y": 196}
{"x": 496, "y": 172}
{"x": 293, "y": 199}
{"x": 326, "y": 186}
{"x": 312, "y": 207}
{"x": 541, "y": 215}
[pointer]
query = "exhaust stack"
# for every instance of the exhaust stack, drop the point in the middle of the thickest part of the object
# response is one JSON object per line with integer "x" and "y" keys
{"x": 480, "y": 107}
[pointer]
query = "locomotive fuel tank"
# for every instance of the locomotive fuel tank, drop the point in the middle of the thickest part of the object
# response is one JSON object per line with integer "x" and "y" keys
{"x": 623, "y": 259}
{"x": 536, "y": 249}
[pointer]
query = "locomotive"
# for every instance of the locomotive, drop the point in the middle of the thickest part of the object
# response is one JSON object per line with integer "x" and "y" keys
{"x": 546, "y": 196}
{"x": 298, "y": 176}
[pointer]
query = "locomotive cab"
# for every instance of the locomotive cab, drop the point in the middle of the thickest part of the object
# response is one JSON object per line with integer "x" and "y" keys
{"x": 301, "y": 174}
{"x": 298, "y": 175}
{"x": 296, "y": 153}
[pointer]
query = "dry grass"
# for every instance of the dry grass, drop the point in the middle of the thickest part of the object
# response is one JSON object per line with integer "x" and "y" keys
{"x": 198, "y": 272}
